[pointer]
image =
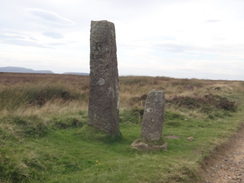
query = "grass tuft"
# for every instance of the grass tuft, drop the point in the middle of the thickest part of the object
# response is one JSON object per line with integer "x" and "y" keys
{"x": 28, "y": 95}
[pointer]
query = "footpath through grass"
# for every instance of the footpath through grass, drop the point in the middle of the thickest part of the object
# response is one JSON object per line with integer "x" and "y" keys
{"x": 52, "y": 143}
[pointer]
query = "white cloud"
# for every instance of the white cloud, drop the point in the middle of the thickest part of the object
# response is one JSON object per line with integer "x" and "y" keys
{"x": 178, "y": 38}
{"x": 54, "y": 35}
{"x": 51, "y": 17}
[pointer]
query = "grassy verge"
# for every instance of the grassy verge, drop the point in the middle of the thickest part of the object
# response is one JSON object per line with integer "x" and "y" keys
{"x": 52, "y": 143}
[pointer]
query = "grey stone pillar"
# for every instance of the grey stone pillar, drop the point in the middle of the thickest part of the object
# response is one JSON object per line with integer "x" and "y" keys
{"x": 153, "y": 117}
{"x": 103, "y": 110}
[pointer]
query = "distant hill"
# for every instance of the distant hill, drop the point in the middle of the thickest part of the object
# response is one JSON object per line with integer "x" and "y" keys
{"x": 27, "y": 70}
{"x": 23, "y": 70}
{"x": 76, "y": 73}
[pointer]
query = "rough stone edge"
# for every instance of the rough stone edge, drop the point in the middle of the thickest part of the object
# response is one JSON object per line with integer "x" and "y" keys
{"x": 138, "y": 144}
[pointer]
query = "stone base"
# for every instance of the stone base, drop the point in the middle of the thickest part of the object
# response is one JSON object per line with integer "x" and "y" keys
{"x": 147, "y": 146}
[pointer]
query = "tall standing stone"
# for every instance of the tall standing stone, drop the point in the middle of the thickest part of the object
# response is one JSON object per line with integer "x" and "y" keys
{"x": 103, "y": 107}
{"x": 153, "y": 117}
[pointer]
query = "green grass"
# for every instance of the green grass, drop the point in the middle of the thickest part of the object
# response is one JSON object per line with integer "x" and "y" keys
{"x": 75, "y": 154}
{"x": 52, "y": 142}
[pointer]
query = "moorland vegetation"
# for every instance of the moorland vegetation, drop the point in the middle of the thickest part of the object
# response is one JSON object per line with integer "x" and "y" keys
{"x": 44, "y": 136}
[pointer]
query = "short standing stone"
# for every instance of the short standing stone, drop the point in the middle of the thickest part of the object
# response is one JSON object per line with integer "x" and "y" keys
{"x": 103, "y": 107}
{"x": 153, "y": 117}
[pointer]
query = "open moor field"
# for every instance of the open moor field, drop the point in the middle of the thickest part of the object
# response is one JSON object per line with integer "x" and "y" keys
{"x": 44, "y": 136}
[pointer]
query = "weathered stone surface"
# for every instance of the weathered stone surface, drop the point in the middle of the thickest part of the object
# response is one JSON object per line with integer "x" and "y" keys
{"x": 153, "y": 117}
{"x": 103, "y": 107}
{"x": 145, "y": 146}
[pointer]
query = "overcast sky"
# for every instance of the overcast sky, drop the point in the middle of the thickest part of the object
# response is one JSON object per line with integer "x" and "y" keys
{"x": 175, "y": 38}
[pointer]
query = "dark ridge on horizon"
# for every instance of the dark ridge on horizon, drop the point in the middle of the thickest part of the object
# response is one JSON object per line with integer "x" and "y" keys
{"x": 13, "y": 69}
{"x": 23, "y": 70}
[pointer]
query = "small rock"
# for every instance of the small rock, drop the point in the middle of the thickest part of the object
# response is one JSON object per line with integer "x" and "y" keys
{"x": 190, "y": 139}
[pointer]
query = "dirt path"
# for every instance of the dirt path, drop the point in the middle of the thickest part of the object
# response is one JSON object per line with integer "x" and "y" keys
{"x": 227, "y": 165}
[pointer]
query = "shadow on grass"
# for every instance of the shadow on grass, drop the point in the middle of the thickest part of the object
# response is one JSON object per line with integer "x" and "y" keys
{"x": 89, "y": 133}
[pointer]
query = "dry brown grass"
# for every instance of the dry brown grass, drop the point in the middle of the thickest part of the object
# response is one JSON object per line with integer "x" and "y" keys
{"x": 133, "y": 90}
